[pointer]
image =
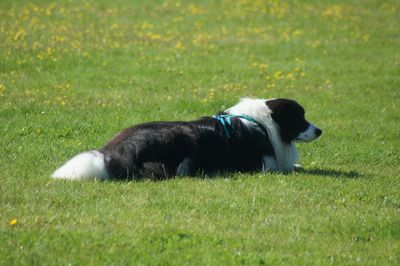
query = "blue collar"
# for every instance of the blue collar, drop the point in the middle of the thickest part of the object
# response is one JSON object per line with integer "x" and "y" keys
{"x": 225, "y": 121}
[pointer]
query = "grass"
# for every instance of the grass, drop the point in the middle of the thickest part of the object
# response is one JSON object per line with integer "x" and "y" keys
{"x": 74, "y": 73}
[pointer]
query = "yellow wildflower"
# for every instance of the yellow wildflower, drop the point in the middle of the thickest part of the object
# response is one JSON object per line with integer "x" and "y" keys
{"x": 263, "y": 66}
{"x": 180, "y": 46}
{"x": 2, "y": 89}
{"x": 13, "y": 222}
{"x": 278, "y": 75}
{"x": 20, "y": 34}
{"x": 290, "y": 76}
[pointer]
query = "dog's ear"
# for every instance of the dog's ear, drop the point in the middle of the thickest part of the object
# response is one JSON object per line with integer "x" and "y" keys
{"x": 275, "y": 106}
{"x": 271, "y": 104}
{"x": 284, "y": 105}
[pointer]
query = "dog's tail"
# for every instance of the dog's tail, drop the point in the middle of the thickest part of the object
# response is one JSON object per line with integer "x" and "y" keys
{"x": 83, "y": 166}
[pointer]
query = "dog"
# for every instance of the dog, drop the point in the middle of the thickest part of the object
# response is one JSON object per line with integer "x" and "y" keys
{"x": 253, "y": 135}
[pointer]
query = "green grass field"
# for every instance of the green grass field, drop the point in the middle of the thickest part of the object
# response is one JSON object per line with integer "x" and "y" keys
{"x": 74, "y": 73}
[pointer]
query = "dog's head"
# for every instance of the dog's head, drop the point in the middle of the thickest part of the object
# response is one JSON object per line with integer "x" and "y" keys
{"x": 289, "y": 116}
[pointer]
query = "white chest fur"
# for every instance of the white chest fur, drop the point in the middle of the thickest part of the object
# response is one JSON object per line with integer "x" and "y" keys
{"x": 286, "y": 155}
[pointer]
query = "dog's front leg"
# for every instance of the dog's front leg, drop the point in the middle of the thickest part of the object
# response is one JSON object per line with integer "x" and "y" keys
{"x": 269, "y": 164}
{"x": 184, "y": 167}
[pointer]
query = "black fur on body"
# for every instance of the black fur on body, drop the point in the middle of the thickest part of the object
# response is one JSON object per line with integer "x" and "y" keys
{"x": 156, "y": 149}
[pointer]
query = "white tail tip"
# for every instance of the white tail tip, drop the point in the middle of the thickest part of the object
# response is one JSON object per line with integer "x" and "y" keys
{"x": 83, "y": 166}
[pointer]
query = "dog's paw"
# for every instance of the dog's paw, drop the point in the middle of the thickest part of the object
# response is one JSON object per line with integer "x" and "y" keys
{"x": 298, "y": 167}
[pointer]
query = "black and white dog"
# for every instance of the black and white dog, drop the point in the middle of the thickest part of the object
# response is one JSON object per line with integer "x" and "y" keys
{"x": 253, "y": 135}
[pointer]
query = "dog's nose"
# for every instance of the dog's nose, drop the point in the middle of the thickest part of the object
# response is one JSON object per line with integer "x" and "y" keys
{"x": 318, "y": 132}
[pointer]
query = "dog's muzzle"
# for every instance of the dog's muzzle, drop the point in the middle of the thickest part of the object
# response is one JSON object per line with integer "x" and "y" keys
{"x": 310, "y": 134}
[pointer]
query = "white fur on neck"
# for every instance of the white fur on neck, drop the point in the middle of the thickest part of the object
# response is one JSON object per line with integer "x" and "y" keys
{"x": 285, "y": 154}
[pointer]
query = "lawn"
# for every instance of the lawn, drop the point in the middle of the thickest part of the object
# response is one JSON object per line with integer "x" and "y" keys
{"x": 73, "y": 73}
